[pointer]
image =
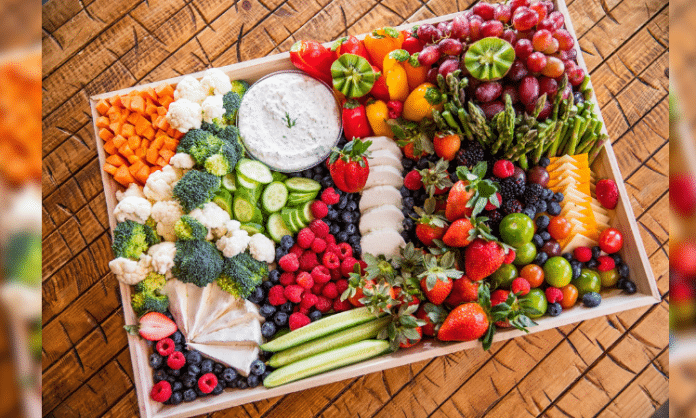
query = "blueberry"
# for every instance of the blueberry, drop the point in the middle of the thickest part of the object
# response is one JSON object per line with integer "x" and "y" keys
{"x": 530, "y": 211}
{"x": 422, "y": 163}
{"x": 567, "y": 256}
{"x": 315, "y": 315}
{"x": 317, "y": 177}
{"x": 265, "y": 354}
{"x": 576, "y": 267}
{"x": 268, "y": 329}
{"x": 544, "y": 161}
{"x": 326, "y": 182}
{"x": 253, "y": 380}
{"x": 592, "y": 264}
{"x": 169, "y": 315}
{"x": 242, "y": 382}
{"x": 622, "y": 269}
{"x": 265, "y": 375}
{"x": 173, "y": 373}
{"x": 342, "y": 236}
{"x": 332, "y": 215}
{"x": 222, "y": 383}
{"x": 545, "y": 235}
{"x": 176, "y": 398}
{"x": 257, "y": 295}
{"x": 177, "y": 337}
{"x": 538, "y": 242}
{"x": 621, "y": 283}
{"x": 279, "y": 253}
{"x": 286, "y": 307}
{"x": 591, "y": 299}
{"x": 334, "y": 229}
{"x": 218, "y": 389}
{"x": 177, "y": 386}
{"x": 199, "y": 392}
{"x": 190, "y": 395}
{"x": 193, "y": 370}
{"x": 354, "y": 240}
{"x": 408, "y": 203}
{"x": 179, "y": 347}
{"x": 267, "y": 285}
{"x": 281, "y": 318}
{"x": 541, "y": 206}
{"x": 342, "y": 203}
{"x": 346, "y": 217}
{"x": 578, "y": 97}
{"x": 596, "y": 252}
{"x": 229, "y": 374}
{"x": 617, "y": 259}
{"x": 286, "y": 242}
{"x": 554, "y": 309}
{"x": 257, "y": 367}
{"x": 357, "y": 251}
{"x": 307, "y": 173}
{"x": 541, "y": 259}
{"x": 206, "y": 366}
{"x": 159, "y": 375}
{"x": 318, "y": 169}
{"x": 267, "y": 311}
{"x": 630, "y": 287}
{"x": 352, "y": 206}
{"x": 156, "y": 361}
{"x": 405, "y": 192}
{"x": 408, "y": 223}
{"x": 554, "y": 209}
{"x": 405, "y": 235}
{"x": 189, "y": 381}
{"x": 171, "y": 379}
{"x": 193, "y": 357}
{"x": 558, "y": 197}
{"x": 407, "y": 163}
{"x": 350, "y": 229}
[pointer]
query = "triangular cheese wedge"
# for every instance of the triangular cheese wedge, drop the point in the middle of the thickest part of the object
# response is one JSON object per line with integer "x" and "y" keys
{"x": 178, "y": 303}
{"x": 236, "y": 355}
{"x": 579, "y": 240}
{"x": 203, "y": 304}
{"x": 220, "y": 303}
{"x": 246, "y": 331}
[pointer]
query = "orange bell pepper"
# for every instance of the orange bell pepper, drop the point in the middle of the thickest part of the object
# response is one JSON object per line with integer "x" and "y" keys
{"x": 381, "y": 42}
{"x": 395, "y": 74}
{"x": 377, "y": 115}
{"x": 415, "y": 73}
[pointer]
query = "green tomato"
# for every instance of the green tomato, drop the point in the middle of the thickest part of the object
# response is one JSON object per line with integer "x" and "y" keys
{"x": 525, "y": 254}
{"x": 609, "y": 278}
{"x": 503, "y": 277}
{"x": 558, "y": 272}
{"x": 535, "y": 299}
{"x": 588, "y": 281}
{"x": 516, "y": 229}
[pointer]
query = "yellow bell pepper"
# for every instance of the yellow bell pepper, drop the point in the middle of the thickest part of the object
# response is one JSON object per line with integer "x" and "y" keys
{"x": 377, "y": 115}
{"x": 422, "y": 101}
{"x": 395, "y": 75}
{"x": 381, "y": 42}
{"x": 415, "y": 73}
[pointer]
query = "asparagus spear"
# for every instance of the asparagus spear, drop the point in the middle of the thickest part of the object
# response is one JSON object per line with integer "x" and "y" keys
{"x": 597, "y": 148}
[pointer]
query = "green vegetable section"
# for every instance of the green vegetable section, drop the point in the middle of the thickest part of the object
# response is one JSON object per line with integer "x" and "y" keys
{"x": 326, "y": 361}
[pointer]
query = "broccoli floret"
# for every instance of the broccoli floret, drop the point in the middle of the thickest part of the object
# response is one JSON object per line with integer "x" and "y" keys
{"x": 222, "y": 149}
{"x": 200, "y": 144}
{"x": 197, "y": 262}
{"x": 241, "y": 274}
{"x": 240, "y": 87}
{"x": 147, "y": 296}
{"x": 231, "y": 135}
{"x": 195, "y": 189}
{"x": 215, "y": 127}
{"x": 22, "y": 258}
{"x": 188, "y": 228}
{"x": 231, "y": 102}
{"x": 132, "y": 239}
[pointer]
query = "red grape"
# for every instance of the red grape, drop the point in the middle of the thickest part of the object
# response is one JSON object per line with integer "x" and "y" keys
{"x": 549, "y": 86}
{"x": 523, "y": 48}
{"x": 549, "y": 6}
{"x": 475, "y": 27}
{"x": 540, "y": 8}
{"x": 536, "y": 62}
{"x": 545, "y": 111}
{"x": 510, "y": 35}
{"x": 528, "y": 90}
{"x": 431, "y": 76}
{"x": 514, "y": 4}
{"x": 427, "y": 33}
{"x": 552, "y": 48}
{"x": 554, "y": 68}
{"x": 485, "y": 10}
{"x": 492, "y": 28}
{"x": 493, "y": 108}
{"x": 542, "y": 40}
{"x": 524, "y": 19}
{"x": 546, "y": 24}
{"x": 412, "y": 45}
{"x": 450, "y": 46}
{"x": 557, "y": 19}
{"x": 429, "y": 55}
{"x": 460, "y": 27}
{"x": 569, "y": 66}
{"x": 511, "y": 91}
{"x": 488, "y": 91}
{"x": 503, "y": 13}
{"x": 576, "y": 77}
{"x": 570, "y": 54}
{"x": 565, "y": 41}
{"x": 448, "y": 65}
{"x": 444, "y": 29}
{"x": 517, "y": 71}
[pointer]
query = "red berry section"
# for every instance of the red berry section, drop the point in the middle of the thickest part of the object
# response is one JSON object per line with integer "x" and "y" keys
{"x": 161, "y": 392}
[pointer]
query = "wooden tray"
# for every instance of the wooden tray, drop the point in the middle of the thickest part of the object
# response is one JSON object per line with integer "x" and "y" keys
{"x": 614, "y": 301}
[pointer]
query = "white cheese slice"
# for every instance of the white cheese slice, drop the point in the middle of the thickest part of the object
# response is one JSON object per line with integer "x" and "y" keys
{"x": 248, "y": 330}
{"x": 178, "y": 303}
{"x": 234, "y": 354}
{"x": 384, "y": 175}
{"x": 385, "y": 143}
{"x": 579, "y": 240}
{"x": 203, "y": 304}
{"x": 220, "y": 303}
{"x": 378, "y": 196}
{"x": 383, "y": 241}
{"x": 385, "y": 157}
{"x": 193, "y": 294}
{"x": 380, "y": 217}
{"x": 233, "y": 316}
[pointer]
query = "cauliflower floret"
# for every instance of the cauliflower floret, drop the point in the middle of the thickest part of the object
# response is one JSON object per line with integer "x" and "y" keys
{"x": 166, "y": 213}
{"x": 212, "y": 108}
{"x": 163, "y": 257}
{"x": 184, "y": 115}
{"x": 191, "y": 89}
{"x": 133, "y": 189}
{"x": 182, "y": 161}
{"x": 213, "y": 217}
{"x": 231, "y": 226}
{"x": 134, "y": 208}
{"x": 262, "y": 248}
{"x": 214, "y": 81}
{"x": 130, "y": 271}
{"x": 160, "y": 184}
{"x": 233, "y": 245}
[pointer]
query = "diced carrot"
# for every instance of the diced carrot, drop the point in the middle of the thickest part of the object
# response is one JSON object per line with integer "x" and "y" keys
{"x": 140, "y": 153}
{"x": 166, "y": 154}
{"x": 155, "y": 168}
{"x": 105, "y": 134}
{"x": 110, "y": 169}
{"x": 125, "y": 150}
{"x": 165, "y": 101}
{"x": 119, "y": 141}
{"x": 152, "y": 155}
{"x": 103, "y": 106}
{"x": 160, "y": 133}
{"x": 162, "y": 123}
{"x": 133, "y": 93}
{"x": 109, "y": 147}
{"x": 127, "y": 130}
{"x": 164, "y": 89}
{"x": 137, "y": 165}
{"x": 115, "y": 160}
{"x": 151, "y": 93}
{"x": 149, "y": 132}
{"x": 141, "y": 124}
{"x": 158, "y": 142}
{"x": 170, "y": 144}
{"x": 162, "y": 110}
{"x": 115, "y": 127}
{"x": 126, "y": 101}
{"x": 134, "y": 142}
{"x": 133, "y": 118}
{"x": 143, "y": 173}
{"x": 151, "y": 109}
{"x": 133, "y": 159}
{"x": 124, "y": 116}
{"x": 103, "y": 122}
{"x": 177, "y": 135}
{"x": 145, "y": 144}
{"x": 171, "y": 132}
{"x": 116, "y": 101}
{"x": 123, "y": 176}
{"x": 137, "y": 104}
{"x": 161, "y": 161}
{"x": 114, "y": 114}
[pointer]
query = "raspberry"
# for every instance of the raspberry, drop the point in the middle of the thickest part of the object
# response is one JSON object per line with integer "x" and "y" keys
{"x": 316, "y": 289}
{"x": 341, "y": 305}
{"x": 499, "y": 296}
{"x": 330, "y": 260}
{"x": 509, "y": 257}
{"x": 319, "y": 227}
{"x": 176, "y": 360}
{"x": 298, "y": 320}
{"x": 308, "y": 260}
{"x": 606, "y": 263}
{"x": 336, "y": 274}
{"x": 344, "y": 251}
{"x": 319, "y": 209}
{"x": 330, "y": 197}
{"x": 363, "y": 266}
{"x": 323, "y": 304}
{"x": 607, "y": 193}
{"x": 296, "y": 249}
{"x": 348, "y": 265}
{"x": 583, "y": 254}
{"x": 553, "y": 294}
{"x": 165, "y": 347}
{"x": 308, "y": 300}
{"x": 321, "y": 275}
{"x": 287, "y": 278}
{"x": 341, "y": 286}
{"x": 330, "y": 239}
{"x": 207, "y": 382}
{"x": 304, "y": 311}
{"x": 521, "y": 286}
{"x": 305, "y": 280}
{"x": 503, "y": 169}
{"x": 161, "y": 392}
{"x": 491, "y": 206}
{"x": 289, "y": 262}
{"x": 276, "y": 295}
{"x": 331, "y": 247}
{"x": 305, "y": 238}
{"x": 318, "y": 245}
{"x": 330, "y": 291}
{"x": 293, "y": 293}
{"x": 413, "y": 180}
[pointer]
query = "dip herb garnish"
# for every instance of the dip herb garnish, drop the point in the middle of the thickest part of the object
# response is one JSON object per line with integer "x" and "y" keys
{"x": 290, "y": 122}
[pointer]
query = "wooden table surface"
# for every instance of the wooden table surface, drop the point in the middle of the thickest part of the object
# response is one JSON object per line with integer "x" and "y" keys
{"x": 610, "y": 366}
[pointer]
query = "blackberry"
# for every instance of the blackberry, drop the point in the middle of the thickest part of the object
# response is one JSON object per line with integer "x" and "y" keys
{"x": 512, "y": 206}
{"x": 511, "y": 187}
{"x": 471, "y": 155}
{"x": 494, "y": 218}
{"x": 532, "y": 193}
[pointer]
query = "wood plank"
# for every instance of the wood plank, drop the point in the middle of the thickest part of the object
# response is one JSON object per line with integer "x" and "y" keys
{"x": 55, "y": 13}
{"x": 127, "y": 406}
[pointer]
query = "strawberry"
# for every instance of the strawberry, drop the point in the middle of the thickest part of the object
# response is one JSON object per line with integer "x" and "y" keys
{"x": 410, "y": 342}
{"x": 684, "y": 202}
{"x": 436, "y": 281}
{"x": 153, "y": 326}
{"x": 414, "y": 143}
{"x": 466, "y": 322}
{"x": 433, "y": 316}
{"x": 457, "y": 201}
{"x": 439, "y": 292}
{"x": 483, "y": 258}
{"x": 446, "y": 145}
{"x": 463, "y": 290}
{"x": 430, "y": 226}
{"x": 427, "y": 233}
{"x": 349, "y": 167}
{"x": 436, "y": 179}
{"x": 607, "y": 193}
{"x": 458, "y": 234}
{"x": 429, "y": 328}
{"x": 471, "y": 194}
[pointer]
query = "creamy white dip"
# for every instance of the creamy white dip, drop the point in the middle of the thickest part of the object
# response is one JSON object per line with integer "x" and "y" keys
{"x": 290, "y": 121}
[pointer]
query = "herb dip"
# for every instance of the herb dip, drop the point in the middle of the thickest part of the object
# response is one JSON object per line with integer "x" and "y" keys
{"x": 289, "y": 121}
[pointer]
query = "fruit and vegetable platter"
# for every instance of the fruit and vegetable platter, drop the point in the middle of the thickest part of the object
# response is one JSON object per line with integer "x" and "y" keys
{"x": 362, "y": 204}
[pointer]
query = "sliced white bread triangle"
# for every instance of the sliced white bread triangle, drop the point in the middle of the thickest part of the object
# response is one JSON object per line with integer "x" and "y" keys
{"x": 378, "y": 196}
{"x": 384, "y": 175}
{"x": 236, "y": 355}
{"x": 386, "y": 242}
{"x": 385, "y": 157}
{"x": 385, "y": 143}
{"x": 178, "y": 303}
{"x": 380, "y": 217}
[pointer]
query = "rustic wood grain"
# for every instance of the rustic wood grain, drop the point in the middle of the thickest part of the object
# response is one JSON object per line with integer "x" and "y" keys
{"x": 619, "y": 362}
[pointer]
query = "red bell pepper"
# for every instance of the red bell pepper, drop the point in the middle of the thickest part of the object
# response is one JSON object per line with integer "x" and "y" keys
{"x": 350, "y": 45}
{"x": 355, "y": 123}
{"x": 313, "y": 58}
{"x": 379, "y": 89}
{"x": 349, "y": 167}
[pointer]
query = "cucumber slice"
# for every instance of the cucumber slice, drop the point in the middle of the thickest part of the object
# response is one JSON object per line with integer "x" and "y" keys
{"x": 223, "y": 198}
{"x": 302, "y": 185}
{"x": 243, "y": 209}
{"x": 274, "y": 197}
{"x": 252, "y": 195}
{"x": 252, "y": 228}
{"x": 229, "y": 182}
{"x": 278, "y": 176}
{"x": 246, "y": 182}
{"x": 277, "y": 228}
{"x": 297, "y": 198}
{"x": 306, "y": 213}
{"x": 257, "y": 217}
{"x": 254, "y": 170}
{"x": 297, "y": 218}
{"x": 287, "y": 214}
